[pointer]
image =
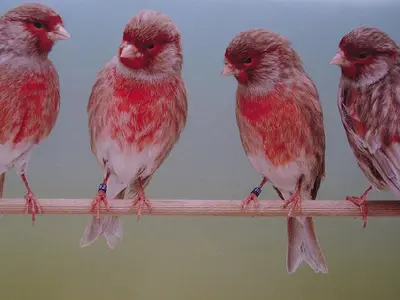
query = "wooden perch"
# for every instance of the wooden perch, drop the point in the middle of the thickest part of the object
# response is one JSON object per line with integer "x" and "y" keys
{"x": 267, "y": 208}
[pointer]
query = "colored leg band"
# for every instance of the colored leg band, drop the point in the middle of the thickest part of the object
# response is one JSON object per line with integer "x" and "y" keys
{"x": 256, "y": 191}
{"x": 103, "y": 187}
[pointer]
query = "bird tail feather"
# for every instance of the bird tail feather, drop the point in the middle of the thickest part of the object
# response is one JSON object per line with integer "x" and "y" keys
{"x": 303, "y": 245}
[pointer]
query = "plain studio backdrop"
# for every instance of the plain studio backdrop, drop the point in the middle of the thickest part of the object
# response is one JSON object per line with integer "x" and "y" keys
{"x": 182, "y": 258}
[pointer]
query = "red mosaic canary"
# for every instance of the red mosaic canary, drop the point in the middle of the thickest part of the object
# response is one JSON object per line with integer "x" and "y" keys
{"x": 369, "y": 106}
{"x": 280, "y": 122}
{"x": 29, "y": 87}
{"x": 137, "y": 111}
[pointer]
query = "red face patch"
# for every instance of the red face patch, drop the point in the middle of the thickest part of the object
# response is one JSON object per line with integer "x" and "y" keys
{"x": 40, "y": 28}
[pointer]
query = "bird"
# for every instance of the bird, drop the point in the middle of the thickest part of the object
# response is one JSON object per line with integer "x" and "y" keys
{"x": 369, "y": 107}
{"x": 136, "y": 112}
{"x": 280, "y": 122}
{"x": 29, "y": 87}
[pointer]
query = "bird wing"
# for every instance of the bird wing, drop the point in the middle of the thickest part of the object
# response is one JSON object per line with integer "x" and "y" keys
{"x": 370, "y": 119}
{"x": 309, "y": 104}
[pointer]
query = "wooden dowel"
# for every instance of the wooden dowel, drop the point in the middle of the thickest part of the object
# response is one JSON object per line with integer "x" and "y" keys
{"x": 267, "y": 208}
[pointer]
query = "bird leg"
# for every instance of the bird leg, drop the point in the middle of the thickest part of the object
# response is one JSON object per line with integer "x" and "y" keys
{"x": 295, "y": 199}
{"x": 253, "y": 196}
{"x": 2, "y": 179}
{"x": 362, "y": 203}
{"x": 101, "y": 196}
{"x": 141, "y": 199}
{"x": 31, "y": 202}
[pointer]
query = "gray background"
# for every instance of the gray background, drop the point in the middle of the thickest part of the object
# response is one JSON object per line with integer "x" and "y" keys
{"x": 196, "y": 258}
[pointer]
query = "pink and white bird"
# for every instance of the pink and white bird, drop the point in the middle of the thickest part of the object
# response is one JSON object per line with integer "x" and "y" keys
{"x": 281, "y": 127}
{"x": 137, "y": 111}
{"x": 29, "y": 87}
{"x": 369, "y": 106}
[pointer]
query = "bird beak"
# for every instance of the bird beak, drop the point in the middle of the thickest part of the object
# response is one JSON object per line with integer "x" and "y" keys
{"x": 339, "y": 59}
{"x": 129, "y": 51}
{"x": 58, "y": 34}
{"x": 229, "y": 70}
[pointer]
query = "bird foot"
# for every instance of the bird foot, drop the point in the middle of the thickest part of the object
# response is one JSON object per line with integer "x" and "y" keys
{"x": 248, "y": 199}
{"x": 361, "y": 201}
{"x": 295, "y": 202}
{"x": 140, "y": 201}
{"x": 96, "y": 202}
{"x": 32, "y": 205}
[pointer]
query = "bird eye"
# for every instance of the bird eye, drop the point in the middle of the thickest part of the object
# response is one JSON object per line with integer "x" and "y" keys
{"x": 150, "y": 46}
{"x": 37, "y": 24}
{"x": 248, "y": 60}
{"x": 363, "y": 55}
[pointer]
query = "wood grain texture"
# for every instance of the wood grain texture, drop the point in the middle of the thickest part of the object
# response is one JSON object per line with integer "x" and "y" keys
{"x": 267, "y": 208}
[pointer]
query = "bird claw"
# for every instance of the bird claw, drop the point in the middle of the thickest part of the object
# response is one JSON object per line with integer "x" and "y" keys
{"x": 32, "y": 205}
{"x": 140, "y": 201}
{"x": 96, "y": 202}
{"x": 295, "y": 202}
{"x": 362, "y": 203}
{"x": 248, "y": 199}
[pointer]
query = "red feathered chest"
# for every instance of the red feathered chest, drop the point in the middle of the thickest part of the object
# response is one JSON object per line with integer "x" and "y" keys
{"x": 28, "y": 108}
{"x": 141, "y": 113}
{"x": 272, "y": 124}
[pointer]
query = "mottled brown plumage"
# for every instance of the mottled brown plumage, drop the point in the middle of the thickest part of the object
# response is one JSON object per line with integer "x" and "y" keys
{"x": 369, "y": 106}
{"x": 281, "y": 128}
